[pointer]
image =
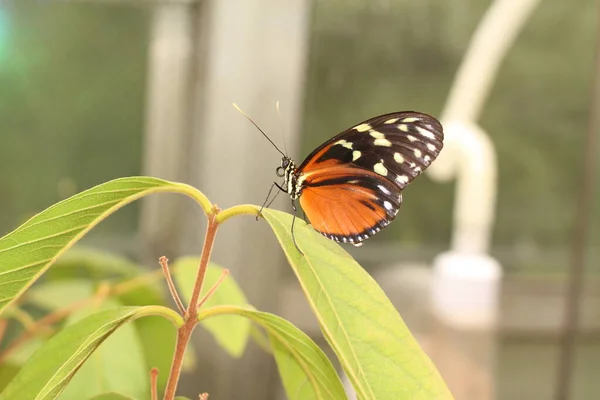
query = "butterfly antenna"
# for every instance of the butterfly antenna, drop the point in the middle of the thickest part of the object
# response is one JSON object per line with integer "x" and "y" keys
{"x": 257, "y": 127}
{"x": 282, "y": 127}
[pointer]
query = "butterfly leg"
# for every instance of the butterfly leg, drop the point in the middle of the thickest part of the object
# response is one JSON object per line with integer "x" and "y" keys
{"x": 265, "y": 204}
{"x": 293, "y": 221}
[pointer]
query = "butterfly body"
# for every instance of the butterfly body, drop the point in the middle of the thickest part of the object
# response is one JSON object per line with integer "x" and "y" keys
{"x": 351, "y": 186}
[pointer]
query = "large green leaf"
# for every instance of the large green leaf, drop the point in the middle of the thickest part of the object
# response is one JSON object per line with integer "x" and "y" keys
{"x": 374, "y": 346}
{"x": 230, "y": 331}
{"x": 29, "y": 250}
{"x": 49, "y": 370}
{"x": 118, "y": 365}
{"x": 305, "y": 370}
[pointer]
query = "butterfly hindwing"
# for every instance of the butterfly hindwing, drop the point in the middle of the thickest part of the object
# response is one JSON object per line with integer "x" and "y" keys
{"x": 349, "y": 206}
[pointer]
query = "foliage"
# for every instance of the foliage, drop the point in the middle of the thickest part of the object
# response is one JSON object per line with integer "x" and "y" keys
{"x": 85, "y": 338}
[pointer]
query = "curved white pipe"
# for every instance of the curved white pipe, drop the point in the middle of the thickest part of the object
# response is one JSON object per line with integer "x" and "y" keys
{"x": 495, "y": 34}
{"x": 474, "y": 165}
{"x": 469, "y": 155}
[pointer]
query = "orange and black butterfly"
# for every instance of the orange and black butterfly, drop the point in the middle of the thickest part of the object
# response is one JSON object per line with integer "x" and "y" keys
{"x": 351, "y": 186}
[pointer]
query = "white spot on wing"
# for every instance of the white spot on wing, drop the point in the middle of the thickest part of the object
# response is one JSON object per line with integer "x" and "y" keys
{"x": 410, "y": 119}
{"x": 380, "y": 169}
{"x": 427, "y": 158}
{"x": 382, "y": 142}
{"x": 403, "y": 127}
{"x": 376, "y": 135}
{"x": 418, "y": 153}
{"x": 391, "y": 121}
{"x": 362, "y": 127}
{"x": 418, "y": 169}
{"x": 388, "y": 206}
{"x": 356, "y": 155}
{"x": 411, "y": 138}
{"x": 425, "y": 133}
{"x": 383, "y": 189}
{"x": 402, "y": 179}
{"x": 344, "y": 143}
{"x": 398, "y": 158}
{"x": 431, "y": 146}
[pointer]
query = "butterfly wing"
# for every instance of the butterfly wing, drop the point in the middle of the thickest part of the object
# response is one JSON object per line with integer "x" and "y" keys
{"x": 402, "y": 143}
{"x": 351, "y": 184}
{"x": 349, "y": 206}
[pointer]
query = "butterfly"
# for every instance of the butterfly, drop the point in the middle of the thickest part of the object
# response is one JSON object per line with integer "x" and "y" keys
{"x": 350, "y": 187}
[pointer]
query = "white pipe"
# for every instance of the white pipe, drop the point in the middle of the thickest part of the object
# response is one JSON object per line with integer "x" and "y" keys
{"x": 469, "y": 155}
{"x": 494, "y": 36}
{"x": 474, "y": 166}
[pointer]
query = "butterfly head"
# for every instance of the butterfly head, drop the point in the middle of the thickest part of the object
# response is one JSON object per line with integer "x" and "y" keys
{"x": 287, "y": 171}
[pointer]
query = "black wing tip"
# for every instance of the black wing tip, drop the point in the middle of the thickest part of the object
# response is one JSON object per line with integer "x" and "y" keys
{"x": 427, "y": 119}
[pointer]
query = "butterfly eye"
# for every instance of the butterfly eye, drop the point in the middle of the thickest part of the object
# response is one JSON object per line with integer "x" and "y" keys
{"x": 285, "y": 162}
{"x": 280, "y": 171}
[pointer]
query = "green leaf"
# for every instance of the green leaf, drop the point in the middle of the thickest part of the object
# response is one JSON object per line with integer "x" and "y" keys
{"x": 374, "y": 346}
{"x": 305, "y": 370}
{"x": 29, "y": 250}
{"x": 153, "y": 330}
{"x": 49, "y": 370}
{"x": 111, "y": 396}
{"x": 8, "y": 371}
{"x": 117, "y": 365}
{"x": 230, "y": 331}
{"x": 84, "y": 262}
{"x": 54, "y": 295}
{"x": 21, "y": 354}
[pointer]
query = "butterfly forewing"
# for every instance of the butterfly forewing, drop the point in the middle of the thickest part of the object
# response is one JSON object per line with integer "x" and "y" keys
{"x": 399, "y": 146}
{"x": 351, "y": 185}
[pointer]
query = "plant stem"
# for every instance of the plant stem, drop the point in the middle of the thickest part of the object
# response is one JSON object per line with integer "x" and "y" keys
{"x": 214, "y": 288}
{"x": 164, "y": 263}
{"x": 191, "y": 315}
{"x": 209, "y": 240}
{"x": 154, "y": 384}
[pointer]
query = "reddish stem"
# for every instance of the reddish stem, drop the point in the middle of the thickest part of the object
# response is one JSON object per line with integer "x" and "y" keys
{"x": 214, "y": 288}
{"x": 191, "y": 315}
{"x": 154, "y": 384}
{"x": 164, "y": 263}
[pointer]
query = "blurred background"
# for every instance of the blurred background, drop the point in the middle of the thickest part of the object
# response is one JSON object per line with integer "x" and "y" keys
{"x": 95, "y": 90}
